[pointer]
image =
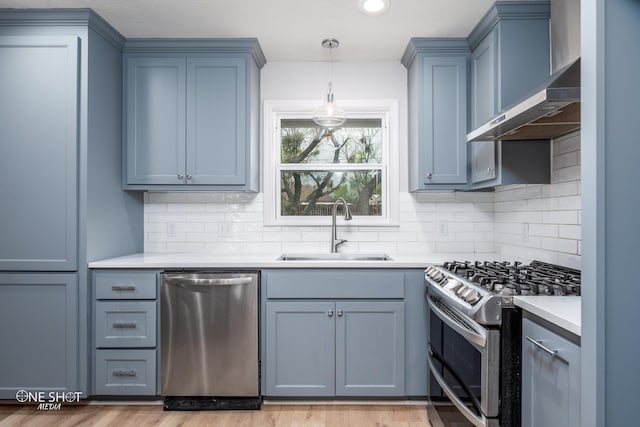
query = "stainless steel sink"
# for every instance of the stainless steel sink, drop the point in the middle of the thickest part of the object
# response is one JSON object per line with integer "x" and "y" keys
{"x": 335, "y": 257}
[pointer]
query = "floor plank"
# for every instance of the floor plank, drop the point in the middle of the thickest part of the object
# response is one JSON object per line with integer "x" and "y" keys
{"x": 269, "y": 415}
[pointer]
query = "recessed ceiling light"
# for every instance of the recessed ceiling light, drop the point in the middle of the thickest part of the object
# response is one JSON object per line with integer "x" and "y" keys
{"x": 373, "y": 7}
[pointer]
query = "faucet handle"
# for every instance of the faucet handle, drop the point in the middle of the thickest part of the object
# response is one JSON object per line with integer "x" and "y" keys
{"x": 340, "y": 242}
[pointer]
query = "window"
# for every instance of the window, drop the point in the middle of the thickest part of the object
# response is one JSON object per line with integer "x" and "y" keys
{"x": 316, "y": 166}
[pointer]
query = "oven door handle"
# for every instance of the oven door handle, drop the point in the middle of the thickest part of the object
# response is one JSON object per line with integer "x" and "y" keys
{"x": 477, "y": 420}
{"x": 475, "y": 337}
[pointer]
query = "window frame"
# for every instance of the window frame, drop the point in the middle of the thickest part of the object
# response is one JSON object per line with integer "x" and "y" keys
{"x": 274, "y": 111}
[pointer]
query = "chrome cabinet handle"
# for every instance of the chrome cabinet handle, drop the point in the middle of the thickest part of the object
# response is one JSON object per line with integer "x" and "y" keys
{"x": 538, "y": 343}
{"x": 330, "y": 313}
{"x": 429, "y": 175}
{"x": 123, "y": 325}
{"x": 488, "y": 171}
{"x": 340, "y": 313}
{"x": 180, "y": 176}
{"x": 121, "y": 373}
{"x": 117, "y": 288}
{"x": 189, "y": 177}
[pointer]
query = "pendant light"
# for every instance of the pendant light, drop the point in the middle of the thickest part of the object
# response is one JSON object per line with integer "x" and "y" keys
{"x": 329, "y": 115}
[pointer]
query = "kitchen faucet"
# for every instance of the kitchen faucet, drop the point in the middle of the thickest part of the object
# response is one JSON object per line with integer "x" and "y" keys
{"x": 335, "y": 242}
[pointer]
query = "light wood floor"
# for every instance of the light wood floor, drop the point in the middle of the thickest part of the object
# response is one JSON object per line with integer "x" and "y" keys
{"x": 270, "y": 415}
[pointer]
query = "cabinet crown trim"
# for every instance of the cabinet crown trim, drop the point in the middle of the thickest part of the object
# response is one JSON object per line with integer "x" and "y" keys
{"x": 248, "y": 45}
{"x": 507, "y": 10}
{"x": 435, "y": 45}
{"x": 62, "y": 17}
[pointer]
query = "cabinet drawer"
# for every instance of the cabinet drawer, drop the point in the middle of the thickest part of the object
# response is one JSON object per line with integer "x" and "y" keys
{"x": 126, "y": 324}
{"x": 125, "y": 372}
{"x": 125, "y": 284}
{"x": 334, "y": 284}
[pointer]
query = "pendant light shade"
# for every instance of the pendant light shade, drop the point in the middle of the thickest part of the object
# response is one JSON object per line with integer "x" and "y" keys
{"x": 329, "y": 114}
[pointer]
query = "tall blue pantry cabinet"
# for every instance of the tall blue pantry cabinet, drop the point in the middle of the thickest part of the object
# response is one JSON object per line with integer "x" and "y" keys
{"x": 60, "y": 183}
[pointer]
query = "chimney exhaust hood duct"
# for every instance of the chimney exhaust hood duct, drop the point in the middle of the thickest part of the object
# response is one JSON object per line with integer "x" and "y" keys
{"x": 553, "y": 110}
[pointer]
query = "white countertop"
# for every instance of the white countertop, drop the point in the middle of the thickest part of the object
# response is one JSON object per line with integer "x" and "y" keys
{"x": 561, "y": 311}
{"x": 199, "y": 260}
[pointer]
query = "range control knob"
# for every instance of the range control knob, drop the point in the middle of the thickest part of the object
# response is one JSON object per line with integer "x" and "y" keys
{"x": 461, "y": 290}
{"x": 453, "y": 284}
{"x": 473, "y": 297}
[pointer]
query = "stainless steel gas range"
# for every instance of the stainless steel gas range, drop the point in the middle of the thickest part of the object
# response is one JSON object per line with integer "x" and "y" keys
{"x": 475, "y": 332}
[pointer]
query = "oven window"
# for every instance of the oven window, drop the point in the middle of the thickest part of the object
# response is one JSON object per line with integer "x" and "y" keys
{"x": 458, "y": 361}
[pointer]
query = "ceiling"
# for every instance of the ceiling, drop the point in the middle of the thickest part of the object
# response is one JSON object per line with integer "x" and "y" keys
{"x": 288, "y": 30}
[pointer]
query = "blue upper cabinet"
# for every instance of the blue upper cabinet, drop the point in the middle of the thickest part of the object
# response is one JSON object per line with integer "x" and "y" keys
{"x": 155, "y": 105}
{"x": 216, "y": 121}
{"x": 437, "y": 113}
{"x": 38, "y": 152}
{"x": 191, "y": 111}
{"x": 510, "y": 56}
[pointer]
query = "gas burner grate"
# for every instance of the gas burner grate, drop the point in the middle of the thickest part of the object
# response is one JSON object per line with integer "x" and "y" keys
{"x": 516, "y": 278}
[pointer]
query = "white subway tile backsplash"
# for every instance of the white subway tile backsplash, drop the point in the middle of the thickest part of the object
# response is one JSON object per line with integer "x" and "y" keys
{"x": 529, "y": 221}
{"x": 552, "y": 213}
{"x": 560, "y": 217}
{"x": 543, "y": 230}
{"x": 453, "y": 247}
{"x": 434, "y": 197}
{"x": 185, "y": 247}
{"x": 390, "y": 248}
{"x": 185, "y": 207}
{"x": 570, "y": 232}
{"x": 569, "y": 246}
{"x": 571, "y": 173}
{"x": 566, "y": 143}
{"x": 569, "y": 203}
{"x": 168, "y": 197}
{"x": 205, "y": 197}
{"x": 567, "y": 159}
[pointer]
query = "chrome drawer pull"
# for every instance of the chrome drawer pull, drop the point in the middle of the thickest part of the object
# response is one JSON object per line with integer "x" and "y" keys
{"x": 124, "y": 325}
{"x": 122, "y": 373}
{"x": 539, "y": 344}
{"x": 117, "y": 288}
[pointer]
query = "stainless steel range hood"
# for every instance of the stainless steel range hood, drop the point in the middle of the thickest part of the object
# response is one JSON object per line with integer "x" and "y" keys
{"x": 553, "y": 110}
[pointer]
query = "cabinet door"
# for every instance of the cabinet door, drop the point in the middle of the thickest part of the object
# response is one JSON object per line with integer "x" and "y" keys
{"x": 484, "y": 80}
{"x": 300, "y": 348}
{"x": 216, "y": 127}
{"x": 155, "y": 120}
{"x": 444, "y": 124}
{"x": 38, "y": 332}
{"x": 483, "y": 161}
{"x": 370, "y": 349}
{"x": 550, "y": 383}
{"x": 38, "y": 153}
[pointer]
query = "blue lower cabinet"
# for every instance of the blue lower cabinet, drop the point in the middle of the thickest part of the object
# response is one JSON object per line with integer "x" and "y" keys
{"x": 550, "y": 377}
{"x": 125, "y": 325}
{"x": 300, "y": 345}
{"x": 370, "y": 348}
{"x": 343, "y": 332}
{"x": 38, "y": 333}
{"x": 125, "y": 372}
{"x": 335, "y": 348}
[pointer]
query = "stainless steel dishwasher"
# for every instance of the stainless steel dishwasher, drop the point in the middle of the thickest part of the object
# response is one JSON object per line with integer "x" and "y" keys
{"x": 209, "y": 340}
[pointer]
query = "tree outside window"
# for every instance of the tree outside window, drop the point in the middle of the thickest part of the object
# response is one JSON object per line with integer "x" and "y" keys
{"x": 318, "y": 166}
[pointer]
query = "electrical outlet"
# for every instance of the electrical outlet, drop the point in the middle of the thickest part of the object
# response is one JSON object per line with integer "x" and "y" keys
{"x": 525, "y": 232}
{"x": 443, "y": 228}
{"x": 171, "y": 229}
{"x": 224, "y": 229}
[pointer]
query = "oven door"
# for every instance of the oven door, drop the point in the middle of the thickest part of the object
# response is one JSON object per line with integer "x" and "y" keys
{"x": 464, "y": 359}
